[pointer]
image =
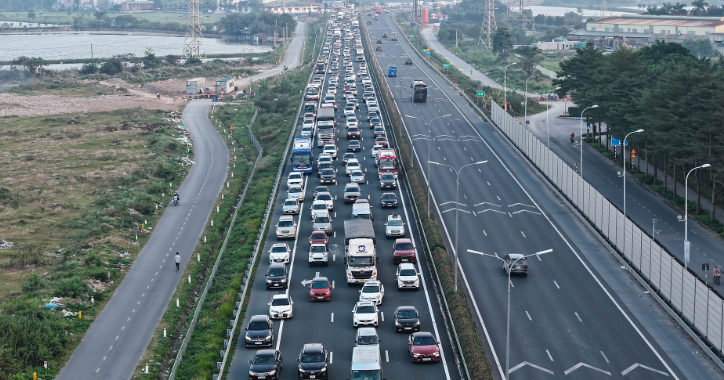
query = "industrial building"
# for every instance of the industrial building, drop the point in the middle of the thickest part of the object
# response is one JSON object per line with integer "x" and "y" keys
{"x": 644, "y": 24}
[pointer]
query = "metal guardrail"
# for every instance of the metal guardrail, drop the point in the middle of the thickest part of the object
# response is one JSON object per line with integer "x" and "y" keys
{"x": 210, "y": 280}
{"x": 382, "y": 85}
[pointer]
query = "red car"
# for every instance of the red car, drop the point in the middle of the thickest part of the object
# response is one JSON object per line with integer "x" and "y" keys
{"x": 353, "y": 133}
{"x": 423, "y": 347}
{"x": 382, "y": 141}
{"x": 320, "y": 289}
{"x": 318, "y": 237}
{"x": 403, "y": 251}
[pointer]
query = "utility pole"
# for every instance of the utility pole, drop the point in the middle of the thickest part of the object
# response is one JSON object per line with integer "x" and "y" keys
{"x": 91, "y": 51}
{"x": 193, "y": 43}
{"x": 276, "y": 22}
{"x": 489, "y": 26}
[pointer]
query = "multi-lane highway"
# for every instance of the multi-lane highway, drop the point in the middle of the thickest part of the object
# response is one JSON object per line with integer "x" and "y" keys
{"x": 331, "y": 323}
{"x": 572, "y": 316}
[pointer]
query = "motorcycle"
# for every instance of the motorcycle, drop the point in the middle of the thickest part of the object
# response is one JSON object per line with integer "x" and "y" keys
{"x": 175, "y": 201}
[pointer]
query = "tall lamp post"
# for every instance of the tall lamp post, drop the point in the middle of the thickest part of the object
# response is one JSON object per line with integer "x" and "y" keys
{"x": 457, "y": 208}
{"x": 505, "y": 84}
{"x": 525, "y": 117}
{"x": 685, "y": 219}
{"x": 507, "y": 334}
{"x": 548, "y": 128}
{"x": 581, "y": 136}
{"x": 623, "y": 175}
{"x": 427, "y": 124}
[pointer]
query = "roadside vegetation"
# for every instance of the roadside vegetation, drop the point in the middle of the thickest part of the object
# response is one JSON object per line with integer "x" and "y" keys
{"x": 674, "y": 96}
{"x": 75, "y": 192}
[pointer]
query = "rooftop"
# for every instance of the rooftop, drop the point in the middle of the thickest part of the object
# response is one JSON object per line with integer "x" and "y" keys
{"x": 682, "y": 21}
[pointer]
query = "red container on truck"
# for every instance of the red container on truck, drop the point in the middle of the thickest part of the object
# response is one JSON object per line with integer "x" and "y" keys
{"x": 378, "y": 10}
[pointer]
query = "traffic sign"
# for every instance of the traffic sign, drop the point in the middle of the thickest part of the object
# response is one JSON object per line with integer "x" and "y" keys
{"x": 428, "y": 49}
{"x": 402, "y": 23}
{"x": 615, "y": 142}
{"x": 479, "y": 93}
{"x": 428, "y": 53}
{"x": 633, "y": 153}
{"x": 445, "y": 65}
{"x": 588, "y": 126}
{"x": 412, "y": 36}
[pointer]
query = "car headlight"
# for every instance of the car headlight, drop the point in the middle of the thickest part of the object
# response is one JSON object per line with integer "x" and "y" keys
{"x": 283, "y": 280}
{"x": 416, "y": 324}
{"x": 397, "y": 323}
{"x": 269, "y": 281}
{"x": 324, "y": 369}
{"x": 251, "y": 373}
{"x": 248, "y": 338}
{"x": 436, "y": 354}
{"x": 301, "y": 370}
{"x": 389, "y": 232}
{"x": 416, "y": 355}
{"x": 272, "y": 373}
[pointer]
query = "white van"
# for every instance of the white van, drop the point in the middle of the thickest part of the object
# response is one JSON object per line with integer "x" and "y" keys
{"x": 366, "y": 363}
{"x": 361, "y": 210}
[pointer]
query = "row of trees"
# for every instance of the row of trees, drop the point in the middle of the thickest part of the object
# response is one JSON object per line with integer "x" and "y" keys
{"x": 674, "y": 96}
{"x": 237, "y": 24}
{"x": 701, "y": 8}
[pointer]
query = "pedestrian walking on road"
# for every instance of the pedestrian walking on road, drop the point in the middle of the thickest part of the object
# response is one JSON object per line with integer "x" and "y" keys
{"x": 717, "y": 274}
{"x": 178, "y": 261}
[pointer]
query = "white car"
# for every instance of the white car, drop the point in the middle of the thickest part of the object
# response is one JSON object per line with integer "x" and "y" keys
{"x": 352, "y": 165}
{"x": 394, "y": 227}
{"x": 279, "y": 253}
{"x": 330, "y": 149}
{"x": 296, "y": 192}
{"x": 319, "y": 206}
{"x": 333, "y": 82}
{"x": 372, "y": 291}
{"x": 352, "y": 122}
{"x": 366, "y": 81}
{"x": 349, "y": 112}
{"x": 307, "y": 132}
{"x": 332, "y": 90}
{"x": 407, "y": 277}
{"x": 372, "y": 106}
{"x": 287, "y": 227}
{"x": 327, "y": 198}
{"x": 295, "y": 178}
{"x": 357, "y": 177}
{"x": 291, "y": 206}
{"x": 318, "y": 254}
{"x": 365, "y": 314}
{"x": 280, "y": 306}
{"x": 376, "y": 149}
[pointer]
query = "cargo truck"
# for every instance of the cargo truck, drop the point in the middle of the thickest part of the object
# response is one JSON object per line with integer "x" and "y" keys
{"x": 360, "y": 251}
{"x": 326, "y": 124}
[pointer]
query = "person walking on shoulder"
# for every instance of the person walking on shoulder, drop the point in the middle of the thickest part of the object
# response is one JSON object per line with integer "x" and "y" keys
{"x": 717, "y": 274}
{"x": 178, "y": 261}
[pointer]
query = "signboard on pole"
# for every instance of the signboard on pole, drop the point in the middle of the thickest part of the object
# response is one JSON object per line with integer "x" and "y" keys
{"x": 428, "y": 53}
{"x": 445, "y": 65}
{"x": 615, "y": 142}
{"x": 479, "y": 94}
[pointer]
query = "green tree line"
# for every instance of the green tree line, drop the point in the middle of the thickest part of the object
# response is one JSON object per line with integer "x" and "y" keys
{"x": 237, "y": 24}
{"x": 674, "y": 96}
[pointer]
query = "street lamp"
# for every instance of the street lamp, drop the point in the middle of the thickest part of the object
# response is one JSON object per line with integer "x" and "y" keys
{"x": 581, "y": 136}
{"x": 685, "y": 219}
{"x": 507, "y": 334}
{"x": 427, "y": 124}
{"x": 505, "y": 84}
{"x": 623, "y": 153}
{"x": 525, "y": 117}
{"x": 457, "y": 208}
{"x": 548, "y": 129}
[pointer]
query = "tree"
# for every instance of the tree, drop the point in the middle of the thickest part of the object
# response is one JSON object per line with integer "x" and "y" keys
{"x": 31, "y": 14}
{"x": 701, "y": 47}
{"x": 33, "y": 65}
{"x": 530, "y": 57}
{"x": 679, "y": 10}
{"x": 502, "y": 42}
{"x": 111, "y": 67}
{"x": 699, "y": 7}
{"x": 715, "y": 11}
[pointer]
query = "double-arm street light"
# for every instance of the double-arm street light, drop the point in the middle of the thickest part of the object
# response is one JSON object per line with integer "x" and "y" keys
{"x": 505, "y": 84}
{"x": 427, "y": 124}
{"x": 581, "y": 137}
{"x": 457, "y": 208}
{"x": 548, "y": 128}
{"x": 685, "y": 219}
{"x": 525, "y": 114}
{"x": 507, "y": 333}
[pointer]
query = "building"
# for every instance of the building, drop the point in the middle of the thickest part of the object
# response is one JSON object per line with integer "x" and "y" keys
{"x": 293, "y": 8}
{"x": 137, "y": 6}
{"x": 225, "y": 85}
{"x": 644, "y": 24}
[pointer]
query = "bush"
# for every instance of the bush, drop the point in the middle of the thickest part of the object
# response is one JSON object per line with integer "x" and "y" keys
{"x": 143, "y": 204}
{"x": 193, "y": 61}
{"x": 32, "y": 284}
{"x": 89, "y": 68}
{"x": 111, "y": 67}
{"x": 71, "y": 287}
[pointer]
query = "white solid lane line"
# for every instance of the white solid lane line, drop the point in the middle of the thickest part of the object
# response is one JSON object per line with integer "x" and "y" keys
{"x": 332, "y": 318}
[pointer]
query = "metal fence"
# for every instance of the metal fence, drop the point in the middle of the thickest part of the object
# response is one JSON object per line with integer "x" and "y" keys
{"x": 699, "y": 306}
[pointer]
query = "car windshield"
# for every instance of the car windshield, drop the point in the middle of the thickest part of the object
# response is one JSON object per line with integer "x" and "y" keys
{"x": 394, "y": 223}
{"x": 367, "y": 339}
{"x": 357, "y": 174}
{"x": 318, "y": 235}
{"x": 318, "y": 206}
{"x": 290, "y": 203}
{"x": 302, "y": 159}
{"x": 375, "y": 120}
{"x": 387, "y": 177}
{"x": 406, "y": 314}
{"x": 285, "y": 223}
{"x": 328, "y": 172}
{"x": 367, "y": 374}
{"x": 371, "y": 289}
{"x": 324, "y": 197}
{"x": 312, "y": 358}
{"x": 353, "y": 164}
{"x": 403, "y": 246}
{"x": 258, "y": 326}
{"x": 280, "y": 302}
{"x": 320, "y": 284}
{"x": 389, "y": 196}
{"x": 360, "y": 261}
{"x": 295, "y": 189}
{"x": 279, "y": 249}
{"x": 266, "y": 359}
{"x": 329, "y": 147}
{"x": 366, "y": 309}
{"x": 424, "y": 341}
{"x": 321, "y": 219}
{"x": 317, "y": 249}
{"x": 276, "y": 272}
{"x": 353, "y": 142}
{"x": 408, "y": 272}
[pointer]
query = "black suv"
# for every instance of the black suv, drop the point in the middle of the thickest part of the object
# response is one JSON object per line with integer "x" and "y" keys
{"x": 407, "y": 319}
{"x": 265, "y": 362}
{"x": 313, "y": 361}
{"x": 408, "y": 61}
{"x": 276, "y": 276}
{"x": 387, "y": 181}
{"x": 389, "y": 200}
{"x": 328, "y": 176}
{"x": 259, "y": 332}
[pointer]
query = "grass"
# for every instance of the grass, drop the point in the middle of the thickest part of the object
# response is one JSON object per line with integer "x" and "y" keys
{"x": 66, "y": 183}
{"x": 49, "y": 17}
{"x": 72, "y": 90}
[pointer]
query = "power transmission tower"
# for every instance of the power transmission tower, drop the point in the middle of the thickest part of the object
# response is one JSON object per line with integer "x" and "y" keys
{"x": 604, "y": 9}
{"x": 194, "y": 43}
{"x": 489, "y": 26}
{"x": 520, "y": 14}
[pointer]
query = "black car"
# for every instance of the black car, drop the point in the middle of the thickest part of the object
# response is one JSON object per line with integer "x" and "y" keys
{"x": 323, "y": 166}
{"x": 407, "y": 319}
{"x": 408, "y": 61}
{"x": 389, "y": 200}
{"x": 260, "y": 331}
{"x": 276, "y": 276}
{"x": 379, "y": 131}
{"x": 313, "y": 361}
{"x": 328, "y": 175}
{"x": 354, "y": 146}
{"x": 387, "y": 181}
{"x": 266, "y": 365}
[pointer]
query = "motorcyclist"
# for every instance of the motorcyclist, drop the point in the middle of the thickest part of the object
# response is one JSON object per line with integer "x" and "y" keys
{"x": 573, "y": 137}
{"x": 176, "y": 197}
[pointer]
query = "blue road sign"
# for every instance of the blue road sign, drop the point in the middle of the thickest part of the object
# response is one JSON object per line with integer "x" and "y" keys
{"x": 615, "y": 142}
{"x": 588, "y": 126}
{"x": 214, "y": 100}
{"x": 428, "y": 53}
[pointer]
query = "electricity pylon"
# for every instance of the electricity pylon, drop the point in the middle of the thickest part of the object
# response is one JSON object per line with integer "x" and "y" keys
{"x": 194, "y": 43}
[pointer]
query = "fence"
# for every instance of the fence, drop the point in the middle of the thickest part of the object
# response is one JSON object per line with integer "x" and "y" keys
{"x": 695, "y": 303}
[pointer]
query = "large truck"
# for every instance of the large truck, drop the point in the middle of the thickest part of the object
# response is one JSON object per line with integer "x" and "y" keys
{"x": 325, "y": 125}
{"x": 360, "y": 251}
{"x": 419, "y": 91}
{"x": 378, "y": 10}
{"x": 366, "y": 363}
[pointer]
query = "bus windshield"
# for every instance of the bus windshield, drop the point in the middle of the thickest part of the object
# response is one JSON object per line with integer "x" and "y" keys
{"x": 302, "y": 160}
{"x": 387, "y": 164}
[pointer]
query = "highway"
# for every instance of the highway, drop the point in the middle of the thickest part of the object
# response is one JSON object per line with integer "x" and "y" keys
{"x": 572, "y": 316}
{"x": 330, "y": 323}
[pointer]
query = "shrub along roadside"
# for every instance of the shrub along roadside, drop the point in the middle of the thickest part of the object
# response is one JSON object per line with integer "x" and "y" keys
{"x": 465, "y": 328}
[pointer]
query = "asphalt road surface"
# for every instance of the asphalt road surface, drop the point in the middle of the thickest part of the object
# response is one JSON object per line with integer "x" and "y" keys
{"x": 573, "y": 316}
{"x": 330, "y": 323}
{"x": 118, "y": 337}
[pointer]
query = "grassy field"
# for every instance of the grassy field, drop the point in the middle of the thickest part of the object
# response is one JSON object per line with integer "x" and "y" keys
{"x": 49, "y": 17}
{"x": 78, "y": 90}
{"x": 552, "y": 59}
{"x": 67, "y": 183}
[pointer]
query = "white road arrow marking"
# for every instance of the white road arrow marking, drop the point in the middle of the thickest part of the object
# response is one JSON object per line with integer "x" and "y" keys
{"x": 532, "y": 212}
{"x": 579, "y": 365}
{"x": 490, "y": 209}
{"x": 461, "y": 204}
{"x": 521, "y": 204}
{"x": 633, "y": 367}
{"x": 523, "y": 364}
{"x": 306, "y": 282}
{"x": 454, "y": 208}
{"x": 486, "y": 203}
